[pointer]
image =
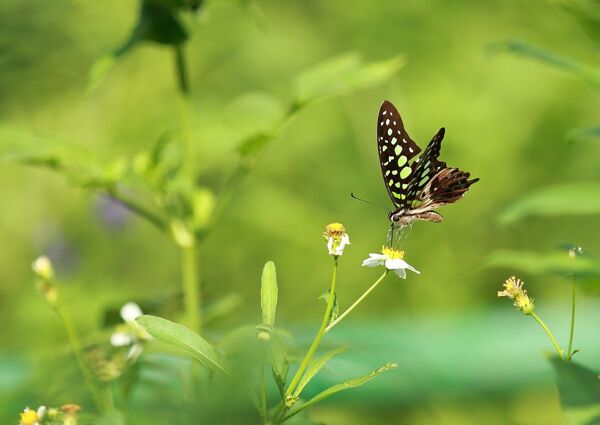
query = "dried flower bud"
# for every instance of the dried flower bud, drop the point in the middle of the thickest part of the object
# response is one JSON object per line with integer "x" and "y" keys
{"x": 513, "y": 289}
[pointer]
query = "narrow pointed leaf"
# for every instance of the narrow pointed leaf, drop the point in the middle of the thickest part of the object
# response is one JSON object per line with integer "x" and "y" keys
{"x": 187, "y": 340}
{"x": 268, "y": 293}
{"x": 352, "y": 383}
{"x": 315, "y": 367}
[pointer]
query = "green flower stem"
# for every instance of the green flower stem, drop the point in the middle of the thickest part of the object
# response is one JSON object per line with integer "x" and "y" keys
{"x": 189, "y": 262}
{"x": 263, "y": 394}
{"x": 357, "y": 302}
{"x": 185, "y": 92}
{"x": 572, "y": 331}
{"x": 315, "y": 344}
{"x": 543, "y": 325}
{"x": 99, "y": 400}
{"x": 135, "y": 208}
{"x": 191, "y": 287}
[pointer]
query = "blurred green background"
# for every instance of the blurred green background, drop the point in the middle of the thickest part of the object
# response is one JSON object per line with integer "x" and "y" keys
{"x": 464, "y": 356}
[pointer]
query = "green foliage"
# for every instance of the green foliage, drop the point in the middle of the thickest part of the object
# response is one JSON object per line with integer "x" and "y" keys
{"x": 342, "y": 74}
{"x": 579, "y": 389}
{"x": 268, "y": 294}
{"x": 553, "y": 263}
{"x": 351, "y": 383}
{"x": 186, "y": 340}
{"x": 521, "y": 48}
{"x": 315, "y": 367}
{"x": 580, "y": 198}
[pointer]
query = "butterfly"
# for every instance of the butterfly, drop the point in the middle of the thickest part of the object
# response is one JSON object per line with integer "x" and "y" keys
{"x": 416, "y": 186}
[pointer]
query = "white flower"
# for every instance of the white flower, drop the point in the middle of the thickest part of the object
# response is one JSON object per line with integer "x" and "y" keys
{"x": 336, "y": 247}
{"x": 392, "y": 260}
{"x": 130, "y": 312}
{"x": 134, "y": 352}
{"x": 120, "y": 339}
{"x": 337, "y": 238}
{"x": 130, "y": 334}
{"x": 42, "y": 266}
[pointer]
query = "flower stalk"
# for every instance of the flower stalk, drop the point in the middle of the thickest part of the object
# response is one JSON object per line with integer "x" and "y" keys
{"x": 357, "y": 302}
{"x": 549, "y": 333}
{"x": 572, "y": 328}
{"x": 315, "y": 344}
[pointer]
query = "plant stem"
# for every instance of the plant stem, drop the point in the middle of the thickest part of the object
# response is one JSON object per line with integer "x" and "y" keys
{"x": 77, "y": 350}
{"x": 263, "y": 394}
{"x": 192, "y": 291}
{"x": 572, "y": 331}
{"x": 185, "y": 92}
{"x": 358, "y": 301}
{"x": 320, "y": 333}
{"x": 543, "y": 325}
{"x": 138, "y": 209}
{"x": 191, "y": 287}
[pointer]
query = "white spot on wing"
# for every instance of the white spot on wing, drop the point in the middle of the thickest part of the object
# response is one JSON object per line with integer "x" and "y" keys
{"x": 389, "y": 131}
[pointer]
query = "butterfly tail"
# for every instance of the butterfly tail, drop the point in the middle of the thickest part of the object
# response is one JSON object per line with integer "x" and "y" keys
{"x": 446, "y": 187}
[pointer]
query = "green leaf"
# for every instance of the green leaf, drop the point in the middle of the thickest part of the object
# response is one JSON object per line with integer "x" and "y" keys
{"x": 78, "y": 165}
{"x": 315, "y": 367}
{"x": 579, "y": 389}
{"x": 277, "y": 356}
{"x": 343, "y": 74}
{"x": 187, "y": 340}
{"x": 554, "y": 263}
{"x": 352, "y": 383}
{"x": 521, "y": 48}
{"x": 583, "y": 134}
{"x": 268, "y": 293}
{"x": 567, "y": 199}
{"x": 203, "y": 206}
{"x": 254, "y": 113}
{"x": 587, "y": 12}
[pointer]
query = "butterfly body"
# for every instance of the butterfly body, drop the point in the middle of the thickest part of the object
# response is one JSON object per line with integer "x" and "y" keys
{"x": 416, "y": 186}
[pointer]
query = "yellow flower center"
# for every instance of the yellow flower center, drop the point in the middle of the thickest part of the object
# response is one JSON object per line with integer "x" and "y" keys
{"x": 29, "y": 417}
{"x": 335, "y": 230}
{"x": 392, "y": 253}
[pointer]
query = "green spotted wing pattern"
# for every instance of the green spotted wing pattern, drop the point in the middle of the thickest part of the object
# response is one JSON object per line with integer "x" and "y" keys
{"x": 396, "y": 151}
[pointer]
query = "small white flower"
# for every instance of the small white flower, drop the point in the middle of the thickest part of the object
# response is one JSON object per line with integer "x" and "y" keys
{"x": 337, "y": 238}
{"x": 135, "y": 351}
{"x": 392, "y": 260}
{"x": 41, "y": 411}
{"x": 42, "y": 266}
{"x": 130, "y": 312}
{"x": 336, "y": 247}
{"x": 120, "y": 339}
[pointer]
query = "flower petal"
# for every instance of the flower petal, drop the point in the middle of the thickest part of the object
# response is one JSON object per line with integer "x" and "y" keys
{"x": 120, "y": 339}
{"x": 401, "y": 273}
{"x": 130, "y": 312}
{"x": 374, "y": 260}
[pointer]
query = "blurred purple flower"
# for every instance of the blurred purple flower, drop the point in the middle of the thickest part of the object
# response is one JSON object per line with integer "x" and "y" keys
{"x": 113, "y": 215}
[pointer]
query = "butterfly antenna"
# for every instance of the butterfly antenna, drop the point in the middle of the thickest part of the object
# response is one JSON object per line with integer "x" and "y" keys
{"x": 369, "y": 202}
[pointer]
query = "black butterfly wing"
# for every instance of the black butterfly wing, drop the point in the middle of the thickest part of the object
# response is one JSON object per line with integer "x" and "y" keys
{"x": 396, "y": 150}
{"x": 434, "y": 184}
